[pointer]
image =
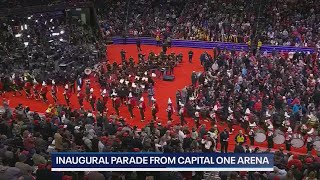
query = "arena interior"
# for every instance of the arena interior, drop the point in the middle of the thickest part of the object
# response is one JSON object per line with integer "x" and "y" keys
{"x": 159, "y": 76}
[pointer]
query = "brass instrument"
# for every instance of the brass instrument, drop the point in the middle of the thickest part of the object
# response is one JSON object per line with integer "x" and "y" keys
{"x": 87, "y": 71}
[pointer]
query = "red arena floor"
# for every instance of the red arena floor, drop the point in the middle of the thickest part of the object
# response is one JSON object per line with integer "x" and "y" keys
{"x": 163, "y": 91}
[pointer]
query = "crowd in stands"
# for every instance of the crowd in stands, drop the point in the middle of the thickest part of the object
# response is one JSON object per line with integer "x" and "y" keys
{"x": 290, "y": 22}
{"x": 216, "y": 21}
{"x": 141, "y": 18}
{"x": 46, "y": 45}
{"x": 8, "y": 4}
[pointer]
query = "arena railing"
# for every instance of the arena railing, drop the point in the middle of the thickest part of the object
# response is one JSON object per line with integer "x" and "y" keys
{"x": 211, "y": 45}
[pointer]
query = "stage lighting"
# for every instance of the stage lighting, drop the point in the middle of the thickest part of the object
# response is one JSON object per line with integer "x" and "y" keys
{"x": 28, "y": 36}
{"x": 62, "y": 32}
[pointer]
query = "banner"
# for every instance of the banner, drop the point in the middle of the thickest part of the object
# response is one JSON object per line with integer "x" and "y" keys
{"x": 162, "y": 162}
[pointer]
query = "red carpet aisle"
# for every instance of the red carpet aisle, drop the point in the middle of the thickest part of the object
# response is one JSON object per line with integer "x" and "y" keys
{"x": 163, "y": 89}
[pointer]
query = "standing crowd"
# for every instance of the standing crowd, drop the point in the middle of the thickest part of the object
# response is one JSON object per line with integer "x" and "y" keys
{"x": 288, "y": 23}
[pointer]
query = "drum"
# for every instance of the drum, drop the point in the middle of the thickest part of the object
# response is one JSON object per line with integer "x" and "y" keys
{"x": 87, "y": 71}
{"x": 279, "y": 137}
{"x": 260, "y": 136}
{"x": 168, "y": 77}
{"x": 316, "y": 143}
{"x": 297, "y": 140}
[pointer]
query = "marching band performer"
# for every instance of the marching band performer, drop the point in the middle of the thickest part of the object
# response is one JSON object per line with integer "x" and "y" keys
{"x": 66, "y": 94}
{"x": 252, "y": 127}
{"x": 88, "y": 88}
{"x": 43, "y": 92}
{"x": 68, "y": 97}
{"x": 142, "y": 108}
{"x": 270, "y": 135}
{"x": 212, "y": 116}
{"x": 104, "y": 96}
{"x": 79, "y": 82}
{"x": 215, "y": 135}
{"x": 36, "y": 89}
{"x": 312, "y": 119}
{"x": 15, "y": 85}
{"x": 92, "y": 100}
{"x": 117, "y": 102}
{"x": 80, "y": 96}
{"x": 170, "y": 110}
{"x": 288, "y": 138}
{"x": 230, "y": 120}
{"x": 251, "y": 134}
{"x": 27, "y": 89}
{"x": 268, "y": 113}
{"x": 113, "y": 97}
{"x": 247, "y": 119}
{"x": 197, "y": 116}
{"x": 304, "y": 129}
{"x": 182, "y": 113}
{"x": 72, "y": 86}
{"x": 130, "y": 104}
{"x": 54, "y": 91}
{"x": 309, "y": 139}
{"x": 286, "y": 121}
{"x": 252, "y": 123}
{"x": 154, "y": 108}
{"x": 217, "y": 109}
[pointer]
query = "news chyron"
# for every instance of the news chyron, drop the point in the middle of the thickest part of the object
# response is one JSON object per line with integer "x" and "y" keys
{"x": 162, "y": 161}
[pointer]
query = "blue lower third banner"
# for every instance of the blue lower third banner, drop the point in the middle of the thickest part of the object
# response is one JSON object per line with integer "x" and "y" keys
{"x": 162, "y": 162}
